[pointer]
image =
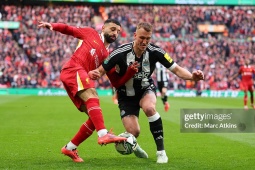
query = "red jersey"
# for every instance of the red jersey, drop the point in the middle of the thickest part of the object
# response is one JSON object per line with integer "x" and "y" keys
{"x": 91, "y": 53}
{"x": 247, "y": 73}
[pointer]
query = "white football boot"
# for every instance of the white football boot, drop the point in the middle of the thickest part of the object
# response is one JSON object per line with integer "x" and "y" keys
{"x": 161, "y": 157}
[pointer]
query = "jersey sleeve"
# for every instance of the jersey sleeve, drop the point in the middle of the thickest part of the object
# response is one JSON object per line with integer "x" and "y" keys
{"x": 76, "y": 32}
{"x": 110, "y": 61}
{"x": 165, "y": 59}
{"x": 117, "y": 80}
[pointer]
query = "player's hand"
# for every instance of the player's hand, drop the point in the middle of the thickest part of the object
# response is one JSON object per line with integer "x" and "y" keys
{"x": 134, "y": 66}
{"x": 47, "y": 25}
{"x": 94, "y": 74}
{"x": 198, "y": 75}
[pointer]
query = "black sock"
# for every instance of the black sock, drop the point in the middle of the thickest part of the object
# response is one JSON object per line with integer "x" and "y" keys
{"x": 156, "y": 128}
{"x": 164, "y": 99}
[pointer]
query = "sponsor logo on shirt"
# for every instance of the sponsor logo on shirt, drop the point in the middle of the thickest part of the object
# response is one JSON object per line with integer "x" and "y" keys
{"x": 142, "y": 75}
{"x": 168, "y": 58}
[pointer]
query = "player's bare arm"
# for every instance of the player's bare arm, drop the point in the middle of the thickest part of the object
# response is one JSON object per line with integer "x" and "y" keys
{"x": 197, "y": 75}
{"x": 233, "y": 77}
{"x": 97, "y": 73}
{"x": 186, "y": 75}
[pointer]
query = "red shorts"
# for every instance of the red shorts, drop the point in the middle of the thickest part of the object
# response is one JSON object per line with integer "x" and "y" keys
{"x": 245, "y": 86}
{"x": 74, "y": 80}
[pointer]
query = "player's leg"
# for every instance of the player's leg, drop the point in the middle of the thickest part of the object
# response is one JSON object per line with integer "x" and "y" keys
{"x": 86, "y": 129}
{"x": 114, "y": 96}
{"x": 162, "y": 86}
{"x": 129, "y": 109}
{"x": 91, "y": 100}
{"x": 148, "y": 104}
{"x": 81, "y": 92}
{"x": 165, "y": 97}
{"x": 84, "y": 132}
{"x": 251, "y": 89}
{"x": 245, "y": 98}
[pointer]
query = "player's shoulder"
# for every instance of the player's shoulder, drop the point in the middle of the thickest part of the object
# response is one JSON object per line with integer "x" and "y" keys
{"x": 88, "y": 29}
{"x": 154, "y": 48}
{"x": 124, "y": 48}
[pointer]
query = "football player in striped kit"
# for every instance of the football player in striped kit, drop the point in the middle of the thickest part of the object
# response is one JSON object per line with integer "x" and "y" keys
{"x": 139, "y": 92}
{"x": 162, "y": 77}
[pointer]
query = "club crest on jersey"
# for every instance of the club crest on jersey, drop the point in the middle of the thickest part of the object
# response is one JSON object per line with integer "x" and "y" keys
{"x": 92, "y": 51}
{"x": 146, "y": 63}
{"x": 87, "y": 80}
{"x": 168, "y": 58}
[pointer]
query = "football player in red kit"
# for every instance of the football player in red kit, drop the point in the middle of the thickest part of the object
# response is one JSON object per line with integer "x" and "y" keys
{"x": 80, "y": 88}
{"x": 247, "y": 72}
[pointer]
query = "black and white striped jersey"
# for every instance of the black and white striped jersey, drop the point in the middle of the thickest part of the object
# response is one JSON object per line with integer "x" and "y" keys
{"x": 161, "y": 73}
{"x": 124, "y": 55}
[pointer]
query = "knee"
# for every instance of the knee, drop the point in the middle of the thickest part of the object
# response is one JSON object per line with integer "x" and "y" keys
{"x": 87, "y": 94}
{"x": 135, "y": 132}
{"x": 149, "y": 110}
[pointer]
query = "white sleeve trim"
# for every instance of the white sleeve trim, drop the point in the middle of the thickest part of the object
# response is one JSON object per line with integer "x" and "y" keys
{"x": 172, "y": 67}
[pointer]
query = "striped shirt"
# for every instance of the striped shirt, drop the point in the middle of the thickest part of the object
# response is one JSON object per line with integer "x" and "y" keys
{"x": 161, "y": 73}
{"x": 124, "y": 55}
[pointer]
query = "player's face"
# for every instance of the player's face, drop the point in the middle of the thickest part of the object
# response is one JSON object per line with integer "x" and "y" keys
{"x": 142, "y": 39}
{"x": 111, "y": 32}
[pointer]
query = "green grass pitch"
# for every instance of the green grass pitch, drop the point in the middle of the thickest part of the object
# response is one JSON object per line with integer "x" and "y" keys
{"x": 33, "y": 129}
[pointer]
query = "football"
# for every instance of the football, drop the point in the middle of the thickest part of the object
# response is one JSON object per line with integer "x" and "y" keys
{"x": 126, "y": 147}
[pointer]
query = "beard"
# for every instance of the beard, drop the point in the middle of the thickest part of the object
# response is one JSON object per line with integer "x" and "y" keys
{"x": 109, "y": 39}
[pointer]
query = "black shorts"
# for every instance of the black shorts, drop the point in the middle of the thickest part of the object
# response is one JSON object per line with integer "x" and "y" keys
{"x": 162, "y": 84}
{"x": 129, "y": 105}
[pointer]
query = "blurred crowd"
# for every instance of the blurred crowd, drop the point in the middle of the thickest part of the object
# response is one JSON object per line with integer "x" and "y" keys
{"x": 32, "y": 57}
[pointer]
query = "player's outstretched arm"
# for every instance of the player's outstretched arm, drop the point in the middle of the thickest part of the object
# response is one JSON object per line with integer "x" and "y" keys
{"x": 186, "y": 75}
{"x": 233, "y": 77}
{"x": 60, "y": 27}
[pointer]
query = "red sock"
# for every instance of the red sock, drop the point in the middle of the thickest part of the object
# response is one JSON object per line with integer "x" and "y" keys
{"x": 95, "y": 113}
{"x": 85, "y": 131}
{"x": 245, "y": 99}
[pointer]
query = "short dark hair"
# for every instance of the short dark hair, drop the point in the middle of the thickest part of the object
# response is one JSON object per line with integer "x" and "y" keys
{"x": 112, "y": 21}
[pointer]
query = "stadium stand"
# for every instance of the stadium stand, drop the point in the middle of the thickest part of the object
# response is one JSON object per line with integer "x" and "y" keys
{"x": 214, "y": 39}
